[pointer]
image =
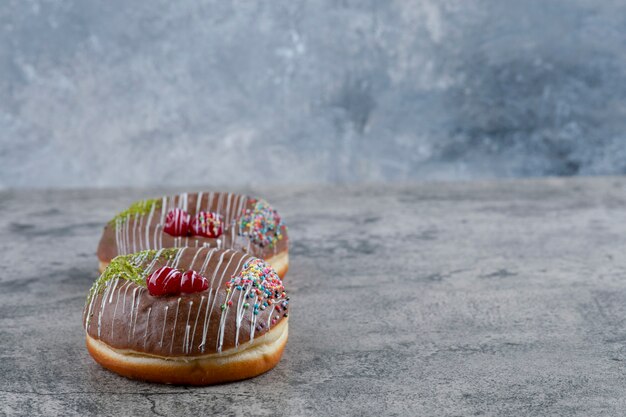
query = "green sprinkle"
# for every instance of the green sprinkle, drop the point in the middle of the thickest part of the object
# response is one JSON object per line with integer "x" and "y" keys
{"x": 141, "y": 208}
{"x": 130, "y": 267}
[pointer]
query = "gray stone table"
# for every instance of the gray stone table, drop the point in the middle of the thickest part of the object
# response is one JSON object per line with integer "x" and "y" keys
{"x": 498, "y": 298}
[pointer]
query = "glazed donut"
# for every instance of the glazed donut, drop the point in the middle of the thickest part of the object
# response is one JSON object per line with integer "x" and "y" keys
{"x": 193, "y": 316}
{"x": 216, "y": 220}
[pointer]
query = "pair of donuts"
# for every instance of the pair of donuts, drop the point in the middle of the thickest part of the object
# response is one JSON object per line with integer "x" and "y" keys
{"x": 190, "y": 290}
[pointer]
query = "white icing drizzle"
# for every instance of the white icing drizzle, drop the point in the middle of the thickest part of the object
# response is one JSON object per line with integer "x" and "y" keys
{"x": 88, "y": 310}
{"x": 163, "y": 210}
{"x": 171, "y": 203}
{"x": 204, "y": 332}
{"x": 209, "y": 203}
{"x": 220, "y": 338}
{"x": 117, "y": 280}
{"x": 240, "y": 312}
{"x": 269, "y": 318}
{"x": 179, "y": 254}
{"x": 103, "y": 303}
{"x": 164, "y": 323}
{"x": 193, "y": 260}
{"x": 140, "y": 258}
{"x": 88, "y": 315}
{"x": 220, "y": 201}
{"x": 186, "y": 339}
{"x": 124, "y": 301}
{"x": 174, "y": 327}
{"x": 126, "y": 234}
{"x": 204, "y": 327}
{"x": 118, "y": 234}
{"x": 185, "y": 201}
{"x": 224, "y": 311}
{"x": 206, "y": 261}
{"x": 195, "y": 324}
{"x": 135, "y": 232}
{"x": 132, "y": 311}
{"x": 117, "y": 301}
{"x": 145, "y": 335}
{"x": 148, "y": 223}
{"x": 156, "y": 234}
{"x": 140, "y": 242}
{"x": 198, "y": 202}
{"x": 241, "y": 201}
{"x": 141, "y": 290}
{"x": 154, "y": 260}
{"x": 232, "y": 234}
{"x": 253, "y": 321}
{"x": 226, "y": 213}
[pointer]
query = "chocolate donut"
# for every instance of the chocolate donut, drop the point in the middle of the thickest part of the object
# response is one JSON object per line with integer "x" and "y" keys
{"x": 212, "y": 219}
{"x": 187, "y": 315}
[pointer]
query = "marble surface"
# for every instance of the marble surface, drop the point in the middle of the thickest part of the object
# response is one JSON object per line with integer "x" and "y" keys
{"x": 329, "y": 91}
{"x": 495, "y": 298}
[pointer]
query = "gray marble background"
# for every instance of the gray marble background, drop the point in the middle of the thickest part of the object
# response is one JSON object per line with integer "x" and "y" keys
{"x": 138, "y": 93}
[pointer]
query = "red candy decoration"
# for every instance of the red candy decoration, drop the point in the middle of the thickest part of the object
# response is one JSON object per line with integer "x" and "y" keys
{"x": 164, "y": 281}
{"x": 177, "y": 222}
{"x": 207, "y": 224}
{"x": 170, "y": 281}
{"x": 193, "y": 282}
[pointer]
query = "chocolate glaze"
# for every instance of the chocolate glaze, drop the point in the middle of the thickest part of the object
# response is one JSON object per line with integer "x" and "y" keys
{"x": 125, "y": 316}
{"x": 230, "y": 206}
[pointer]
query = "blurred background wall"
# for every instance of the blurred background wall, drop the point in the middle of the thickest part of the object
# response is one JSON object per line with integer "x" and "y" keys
{"x": 134, "y": 93}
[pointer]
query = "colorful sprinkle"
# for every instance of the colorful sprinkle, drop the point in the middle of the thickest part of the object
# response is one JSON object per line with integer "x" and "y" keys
{"x": 259, "y": 280}
{"x": 261, "y": 224}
